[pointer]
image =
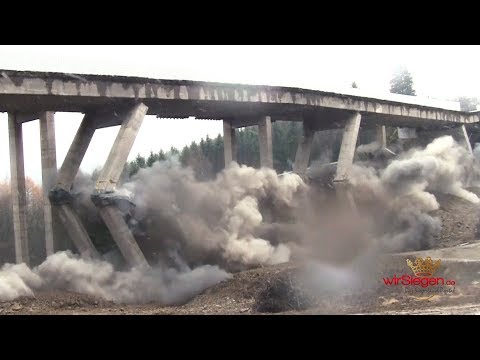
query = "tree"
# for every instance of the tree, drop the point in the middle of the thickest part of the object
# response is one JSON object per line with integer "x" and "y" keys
{"x": 140, "y": 160}
{"x": 161, "y": 156}
{"x": 185, "y": 155}
{"x": 6, "y": 223}
{"x": 402, "y": 83}
{"x": 95, "y": 174}
{"x": 152, "y": 158}
{"x": 468, "y": 104}
{"x": 354, "y": 85}
{"x": 174, "y": 151}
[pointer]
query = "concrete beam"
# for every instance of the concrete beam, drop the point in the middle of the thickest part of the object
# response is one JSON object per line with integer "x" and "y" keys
{"x": 229, "y": 147}
{"x": 244, "y": 121}
{"x": 265, "y": 141}
{"x": 108, "y": 180}
{"x": 19, "y": 201}
{"x": 76, "y": 152}
{"x": 110, "y": 174}
{"x": 304, "y": 149}
{"x": 347, "y": 149}
{"x": 25, "y": 117}
{"x": 463, "y": 135}
{"x": 382, "y": 136}
{"x": 70, "y": 92}
{"x": 76, "y": 231}
{"x": 49, "y": 173}
{"x": 65, "y": 179}
{"x": 113, "y": 218}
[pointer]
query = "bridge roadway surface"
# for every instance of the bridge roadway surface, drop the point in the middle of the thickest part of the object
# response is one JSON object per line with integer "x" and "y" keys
{"x": 28, "y": 93}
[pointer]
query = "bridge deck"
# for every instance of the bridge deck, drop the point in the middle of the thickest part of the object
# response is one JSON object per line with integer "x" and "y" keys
{"x": 30, "y": 92}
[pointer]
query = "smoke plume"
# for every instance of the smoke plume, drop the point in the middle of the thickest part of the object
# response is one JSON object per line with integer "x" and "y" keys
{"x": 401, "y": 195}
{"x": 214, "y": 221}
{"x": 66, "y": 271}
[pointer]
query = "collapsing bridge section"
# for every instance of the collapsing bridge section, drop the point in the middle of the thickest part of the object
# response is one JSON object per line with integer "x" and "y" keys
{"x": 104, "y": 197}
{"x": 112, "y": 100}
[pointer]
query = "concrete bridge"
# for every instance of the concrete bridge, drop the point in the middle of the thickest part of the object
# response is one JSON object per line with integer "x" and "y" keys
{"x": 117, "y": 100}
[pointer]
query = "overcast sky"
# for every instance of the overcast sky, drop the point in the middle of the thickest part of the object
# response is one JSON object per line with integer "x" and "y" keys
{"x": 441, "y": 72}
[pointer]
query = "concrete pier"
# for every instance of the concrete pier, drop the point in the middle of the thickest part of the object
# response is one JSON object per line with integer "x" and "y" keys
{"x": 110, "y": 174}
{"x": 19, "y": 201}
{"x": 49, "y": 174}
{"x": 347, "y": 149}
{"x": 76, "y": 152}
{"x": 108, "y": 180}
{"x": 382, "y": 136}
{"x": 460, "y": 135}
{"x": 229, "y": 147}
{"x": 345, "y": 162}
{"x": 302, "y": 157}
{"x": 124, "y": 239}
{"x": 265, "y": 141}
{"x": 76, "y": 231}
{"x": 60, "y": 192}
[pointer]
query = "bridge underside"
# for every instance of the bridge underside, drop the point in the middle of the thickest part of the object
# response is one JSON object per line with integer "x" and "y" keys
{"x": 109, "y": 101}
{"x": 242, "y": 114}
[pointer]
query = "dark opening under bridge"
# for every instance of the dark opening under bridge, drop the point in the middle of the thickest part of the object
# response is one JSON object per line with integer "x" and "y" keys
{"x": 118, "y": 100}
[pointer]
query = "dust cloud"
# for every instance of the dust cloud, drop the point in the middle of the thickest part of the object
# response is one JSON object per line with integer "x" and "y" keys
{"x": 196, "y": 233}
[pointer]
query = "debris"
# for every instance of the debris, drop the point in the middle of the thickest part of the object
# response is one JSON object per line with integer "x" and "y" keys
{"x": 16, "y": 307}
{"x": 389, "y": 302}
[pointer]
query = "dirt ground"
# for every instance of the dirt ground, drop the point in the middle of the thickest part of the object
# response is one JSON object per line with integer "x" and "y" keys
{"x": 459, "y": 220}
{"x": 279, "y": 289}
{"x": 272, "y": 290}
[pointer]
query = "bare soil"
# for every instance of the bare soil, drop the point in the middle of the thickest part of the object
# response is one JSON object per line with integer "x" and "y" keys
{"x": 272, "y": 290}
{"x": 279, "y": 290}
{"x": 460, "y": 220}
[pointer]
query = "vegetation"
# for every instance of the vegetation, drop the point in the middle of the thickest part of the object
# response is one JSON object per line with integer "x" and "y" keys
{"x": 402, "y": 83}
{"x": 206, "y": 157}
{"x": 468, "y": 103}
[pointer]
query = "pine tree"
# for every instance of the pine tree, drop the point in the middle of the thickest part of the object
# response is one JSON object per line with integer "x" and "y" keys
{"x": 140, "y": 160}
{"x": 174, "y": 151}
{"x": 161, "y": 156}
{"x": 185, "y": 155}
{"x": 402, "y": 83}
{"x": 152, "y": 158}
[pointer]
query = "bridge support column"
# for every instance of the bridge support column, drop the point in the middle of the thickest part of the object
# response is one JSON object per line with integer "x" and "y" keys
{"x": 60, "y": 195}
{"x": 345, "y": 161}
{"x": 19, "y": 201}
{"x": 347, "y": 149}
{"x": 49, "y": 174}
{"x": 265, "y": 141}
{"x": 382, "y": 136}
{"x": 108, "y": 180}
{"x": 461, "y": 136}
{"x": 113, "y": 218}
{"x": 302, "y": 157}
{"x": 76, "y": 152}
{"x": 229, "y": 148}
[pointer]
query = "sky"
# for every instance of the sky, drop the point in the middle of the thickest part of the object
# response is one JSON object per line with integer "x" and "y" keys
{"x": 438, "y": 71}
